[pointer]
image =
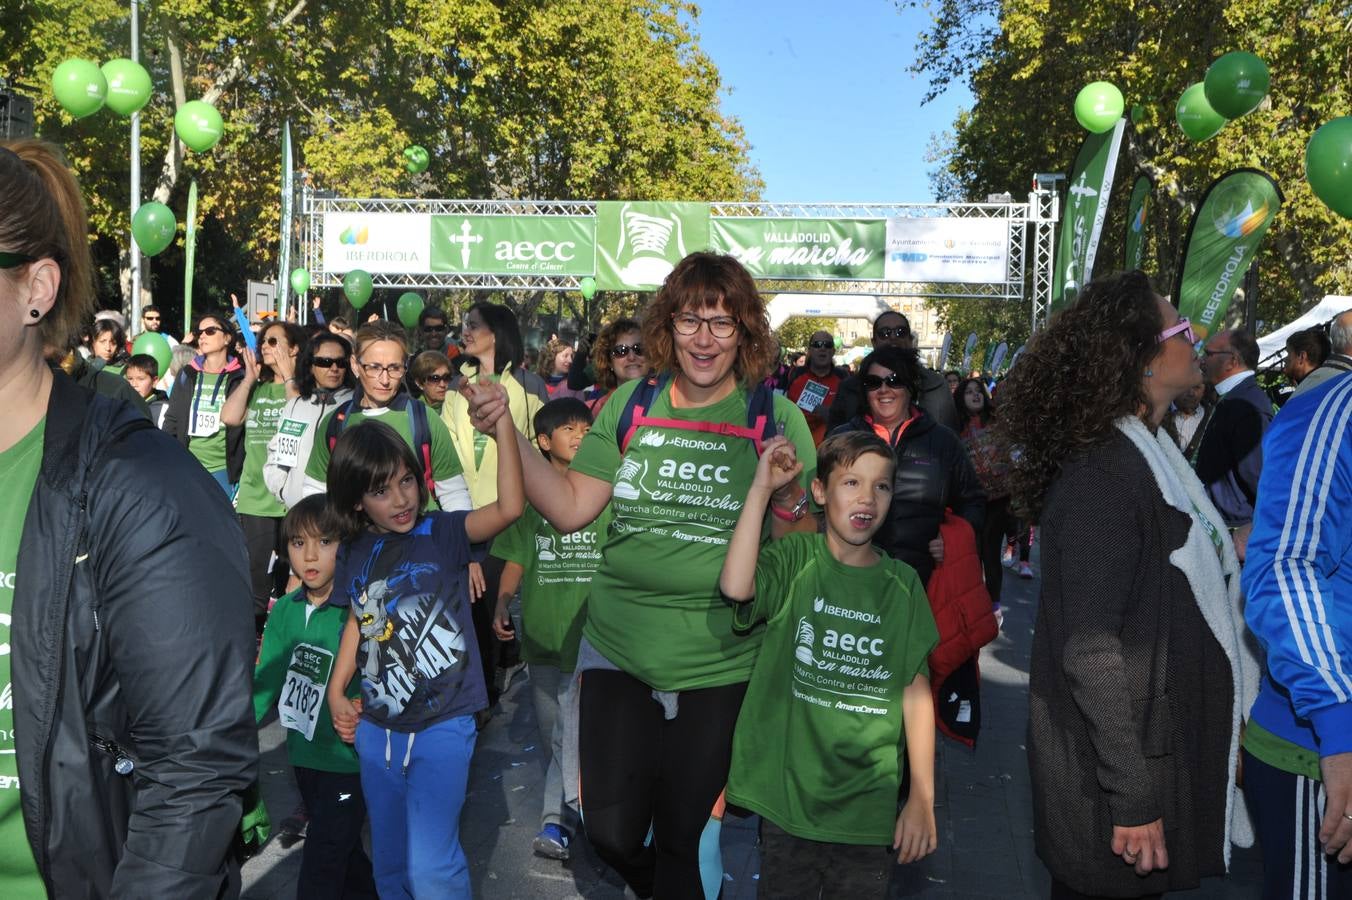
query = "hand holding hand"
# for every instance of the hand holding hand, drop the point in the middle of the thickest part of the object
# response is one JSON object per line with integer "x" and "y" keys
{"x": 487, "y": 403}
{"x": 345, "y": 713}
{"x": 1141, "y": 846}
{"x": 916, "y": 835}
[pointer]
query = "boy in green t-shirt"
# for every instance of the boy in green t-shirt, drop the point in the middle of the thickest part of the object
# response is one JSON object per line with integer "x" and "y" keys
{"x": 300, "y": 642}
{"x": 554, "y": 572}
{"x": 840, "y": 690}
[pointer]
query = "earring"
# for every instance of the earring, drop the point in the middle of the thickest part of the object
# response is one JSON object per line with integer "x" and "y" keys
{"x": 1149, "y": 374}
{"x": 33, "y": 314}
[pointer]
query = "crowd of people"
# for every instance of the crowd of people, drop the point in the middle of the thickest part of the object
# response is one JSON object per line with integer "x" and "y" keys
{"x": 736, "y": 589}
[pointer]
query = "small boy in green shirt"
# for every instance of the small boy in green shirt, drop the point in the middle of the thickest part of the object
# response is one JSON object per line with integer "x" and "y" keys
{"x": 300, "y": 642}
{"x": 840, "y": 690}
{"x": 554, "y": 572}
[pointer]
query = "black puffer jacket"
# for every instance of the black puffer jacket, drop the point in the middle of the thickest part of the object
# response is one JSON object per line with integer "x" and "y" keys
{"x": 132, "y": 639}
{"x": 178, "y": 415}
{"x": 933, "y": 474}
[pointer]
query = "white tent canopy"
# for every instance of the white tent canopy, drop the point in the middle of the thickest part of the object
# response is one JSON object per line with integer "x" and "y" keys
{"x": 830, "y": 306}
{"x": 1275, "y": 342}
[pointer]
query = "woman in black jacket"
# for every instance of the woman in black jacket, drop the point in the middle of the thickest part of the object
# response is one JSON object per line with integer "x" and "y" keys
{"x": 934, "y": 472}
{"x": 1141, "y": 667}
{"x": 124, "y": 590}
{"x": 197, "y": 400}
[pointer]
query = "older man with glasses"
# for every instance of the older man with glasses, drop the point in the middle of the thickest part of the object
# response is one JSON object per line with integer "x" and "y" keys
{"x": 1230, "y": 457}
{"x": 892, "y": 329}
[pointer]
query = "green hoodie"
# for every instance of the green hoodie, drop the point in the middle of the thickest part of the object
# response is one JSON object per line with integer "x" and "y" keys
{"x": 290, "y": 677}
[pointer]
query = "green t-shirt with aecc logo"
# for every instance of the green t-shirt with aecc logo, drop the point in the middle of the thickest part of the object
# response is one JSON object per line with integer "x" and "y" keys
{"x": 554, "y": 588}
{"x": 206, "y": 434}
{"x": 655, "y": 609}
{"x": 820, "y": 741}
{"x": 265, "y": 414}
{"x": 445, "y": 461}
{"x": 19, "y": 466}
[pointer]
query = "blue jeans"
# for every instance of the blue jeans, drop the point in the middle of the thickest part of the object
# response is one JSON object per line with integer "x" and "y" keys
{"x": 414, "y": 797}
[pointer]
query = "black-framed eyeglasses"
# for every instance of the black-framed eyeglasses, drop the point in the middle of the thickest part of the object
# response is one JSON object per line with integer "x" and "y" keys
{"x": 890, "y": 333}
{"x": 719, "y": 326}
{"x": 875, "y": 382}
{"x": 620, "y": 351}
{"x": 821, "y": 345}
{"x": 329, "y": 362}
{"x": 438, "y": 378}
{"x": 394, "y": 370}
{"x": 10, "y": 260}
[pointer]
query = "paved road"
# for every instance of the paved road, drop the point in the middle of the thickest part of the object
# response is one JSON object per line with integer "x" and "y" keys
{"x": 983, "y": 806}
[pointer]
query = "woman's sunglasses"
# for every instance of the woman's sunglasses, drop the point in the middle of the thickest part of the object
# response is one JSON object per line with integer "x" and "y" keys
{"x": 211, "y": 331}
{"x": 329, "y": 362}
{"x": 437, "y": 379}
{"x": 821, "y": 345}
{"x": 1184, "y": 327}
{"x": 875, "y": 382}
{"x": 620, "y": 351}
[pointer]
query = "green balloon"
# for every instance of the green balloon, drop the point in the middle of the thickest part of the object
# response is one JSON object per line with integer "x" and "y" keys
{"x": 1098, "y": 106}
{"x": 129, "y": 86}
{"x": 198, "y": 125}
{"x": 79, "y": 86}
{"x": 357, "y": 287}
{"x": 587, "y": 287}
{"x": 152, "y": 343}
{"x": 154, "y": 227}
{"x": 300, "y": 281}
{"x": 1328, "y": 165}
{"x": 1236, "y": 83}
{"x": 417, "y": 159}
{"x": 1196, "y": 117}
{"x": 409, "y": 307}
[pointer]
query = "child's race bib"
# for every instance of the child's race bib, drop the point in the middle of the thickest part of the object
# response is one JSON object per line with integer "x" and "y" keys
{"x": 813, "y": 394}
{"x": 288, "y": 442}
{"x": 205, "y": 423}
{"x": 307, "y": 677}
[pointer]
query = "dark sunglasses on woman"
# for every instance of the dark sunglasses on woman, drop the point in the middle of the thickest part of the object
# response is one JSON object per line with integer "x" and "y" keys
{"x": 328, "y": 362}
{"x": 875, "y": 382}
{"x": 620, "y": 351}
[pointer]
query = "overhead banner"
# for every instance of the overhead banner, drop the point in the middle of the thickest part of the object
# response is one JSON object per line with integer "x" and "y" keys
{"x": 803, "y": 248}
{"x": 947, "y": 250}
{"x": 1222, "y": 241}
{"x": 1138, "y": 212}
{"x": 514, "y": 245}
{"x": 1091, "y": 180}
{"x": 639, "y": 243}
{"x": 380, "y": 243}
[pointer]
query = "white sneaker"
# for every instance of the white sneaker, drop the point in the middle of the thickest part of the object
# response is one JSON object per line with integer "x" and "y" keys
{"x": 1009, "y": 559}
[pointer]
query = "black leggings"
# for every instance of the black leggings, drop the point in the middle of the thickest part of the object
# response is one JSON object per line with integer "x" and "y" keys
{"x": 267, "y": 576}
{"x": 641, "y": 770}
{"x": 999, "y": 523}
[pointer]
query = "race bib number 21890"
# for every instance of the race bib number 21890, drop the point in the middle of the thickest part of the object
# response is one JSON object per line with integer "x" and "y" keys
{"x": 307, "y": 677}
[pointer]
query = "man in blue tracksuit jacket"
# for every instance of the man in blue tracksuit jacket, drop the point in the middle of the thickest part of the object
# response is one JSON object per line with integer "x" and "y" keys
{"x": 1298, "y": 578}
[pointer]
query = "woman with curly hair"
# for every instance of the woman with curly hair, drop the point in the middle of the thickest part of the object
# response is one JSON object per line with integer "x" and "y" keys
{"x": 618, "y": 358}
{"x": 657, "y": 627}
{"x": 1140, "y": 666}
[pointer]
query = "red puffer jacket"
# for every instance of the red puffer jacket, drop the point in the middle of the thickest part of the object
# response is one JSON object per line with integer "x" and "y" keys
{"x": 966, "y": 620}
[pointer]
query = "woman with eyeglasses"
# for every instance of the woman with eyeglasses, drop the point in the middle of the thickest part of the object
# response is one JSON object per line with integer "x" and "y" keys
{"x": 1141, "y": 667}
{"x": 198, "y": 397}
{"x": 431, "y": 375}
{"x": 268, "y": 384}
{"x": 380, "y": 360}
{"x": 324, "y": 380}
{"x": 618, "y": 358}
{"x": 933, "y": 473}
{"x": 663, "y": 672}
{"x": 126, "y": 737}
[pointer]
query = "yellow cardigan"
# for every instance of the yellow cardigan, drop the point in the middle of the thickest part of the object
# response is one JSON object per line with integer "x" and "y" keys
{"x": 483, "y": 478}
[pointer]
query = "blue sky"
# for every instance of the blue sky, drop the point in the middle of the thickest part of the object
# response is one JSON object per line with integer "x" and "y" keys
{"x": 824, "y": 94}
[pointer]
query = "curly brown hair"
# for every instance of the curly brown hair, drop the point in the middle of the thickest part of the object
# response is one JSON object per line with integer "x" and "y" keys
{"x": 700, "y": 281}
{"x": 550, "y": 352}
{"x": 1075, "y": 379}
{"x": 605, "y": 342}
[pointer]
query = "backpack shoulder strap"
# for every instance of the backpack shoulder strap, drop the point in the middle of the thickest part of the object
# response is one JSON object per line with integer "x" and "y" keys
{"x": 421, "y": 432}
{"x": 338, "y": 421}
{"x": 639, "y": 402}
{"x": 760, "y": 415}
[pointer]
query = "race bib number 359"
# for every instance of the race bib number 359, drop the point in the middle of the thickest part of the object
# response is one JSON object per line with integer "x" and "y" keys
{"x": 307, "y": 677}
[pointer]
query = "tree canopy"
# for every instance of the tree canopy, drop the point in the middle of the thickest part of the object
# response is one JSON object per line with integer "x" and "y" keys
{"x": 576, "y": 99}
{"x": 1025, "y": 60}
